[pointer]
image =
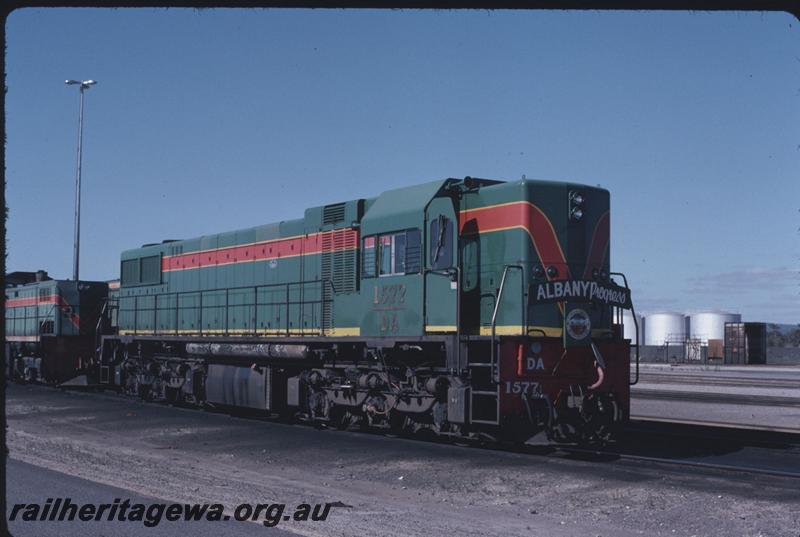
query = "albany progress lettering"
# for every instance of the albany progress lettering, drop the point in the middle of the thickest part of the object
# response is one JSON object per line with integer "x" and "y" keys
{"x": 582, "y": 290}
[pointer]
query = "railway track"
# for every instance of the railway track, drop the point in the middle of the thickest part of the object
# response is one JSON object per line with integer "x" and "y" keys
{"x": 673, "y": 443}
{"x": 703, "y": 380}
{"x": 670, "y": 443}
{"x": 686, "y": 463}
{"x": 716, "y": 425}
{"x": 718, "y": 398}
{"x": 682, "y": 443}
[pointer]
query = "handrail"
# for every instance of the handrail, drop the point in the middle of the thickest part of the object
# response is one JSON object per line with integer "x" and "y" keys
{"x": 255, "y": 305}
{"x": 534, "y": 330}
{"x": 495, "y": 376}
{"x": 37, "y": 320}
{"x": 635, "y": 324}
{"x": 99, "y": 322}
{"x": 449, "y": 273}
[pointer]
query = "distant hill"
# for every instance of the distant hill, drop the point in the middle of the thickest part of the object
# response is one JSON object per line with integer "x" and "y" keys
{"x": 783, "y": 335}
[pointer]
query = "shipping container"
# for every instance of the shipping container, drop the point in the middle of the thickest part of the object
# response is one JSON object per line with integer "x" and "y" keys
{"x": 745, "y": 343}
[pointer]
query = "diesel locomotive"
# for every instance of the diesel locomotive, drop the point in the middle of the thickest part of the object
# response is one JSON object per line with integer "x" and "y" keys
{"x": 52, "y": 326}
{"x": 465, "y": 307}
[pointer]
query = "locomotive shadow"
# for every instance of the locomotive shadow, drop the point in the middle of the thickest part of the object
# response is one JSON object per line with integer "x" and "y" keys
{"x": 679, "y": 441}
{"x": 652, "y": 440}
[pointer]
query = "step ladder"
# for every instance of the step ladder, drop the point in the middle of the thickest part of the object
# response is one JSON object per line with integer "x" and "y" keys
{"x": 484, "y": 405}
{"x": 484, "y": 394}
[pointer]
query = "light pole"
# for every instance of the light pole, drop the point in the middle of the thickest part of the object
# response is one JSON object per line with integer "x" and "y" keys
{"x": 84, "y": 84}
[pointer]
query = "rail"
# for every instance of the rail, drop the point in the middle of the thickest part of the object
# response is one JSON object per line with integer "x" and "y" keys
{"x": 287, "y": 303}
{"x": 453, "y": 273}
{"x": 635, "y": 324}
{"x": 492, "y": 359}
{"x": 104, "y": 318}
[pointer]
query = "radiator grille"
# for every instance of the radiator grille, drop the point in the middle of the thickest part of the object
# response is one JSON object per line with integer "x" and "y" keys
{"x": 333, "y": 214}
{"x": 339, "y": 258}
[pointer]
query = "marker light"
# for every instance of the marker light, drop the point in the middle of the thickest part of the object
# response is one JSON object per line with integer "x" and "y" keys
{"x": 575, "y": 206}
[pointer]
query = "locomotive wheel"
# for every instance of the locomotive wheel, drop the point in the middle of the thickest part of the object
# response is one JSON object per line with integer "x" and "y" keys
{"x": 398, "y": 423}
{"x": 597, "y": 420}
{"x": 172, "y": 395}
{"x": 144, "y": 391}
{"x": 340, "y": 419}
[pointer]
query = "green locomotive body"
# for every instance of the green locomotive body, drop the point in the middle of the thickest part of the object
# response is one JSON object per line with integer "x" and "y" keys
{"x": 462, "y": 305}
{"x": 376, "y": 267}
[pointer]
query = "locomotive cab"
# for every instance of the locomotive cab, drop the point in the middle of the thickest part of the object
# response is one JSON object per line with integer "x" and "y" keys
{"x": 535, "y": 260}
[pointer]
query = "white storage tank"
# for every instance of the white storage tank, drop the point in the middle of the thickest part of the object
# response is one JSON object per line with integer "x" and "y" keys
{"x": 665, "y": 327}
{"x": 629, "y": 328}
{"x": 707, "y": 325}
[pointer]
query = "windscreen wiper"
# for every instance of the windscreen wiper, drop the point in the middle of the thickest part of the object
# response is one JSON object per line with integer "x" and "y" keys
{"x": 440, "y": 239}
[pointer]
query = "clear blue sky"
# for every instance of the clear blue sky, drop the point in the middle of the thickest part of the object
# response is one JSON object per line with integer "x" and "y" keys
{"x": 212, "y": 120}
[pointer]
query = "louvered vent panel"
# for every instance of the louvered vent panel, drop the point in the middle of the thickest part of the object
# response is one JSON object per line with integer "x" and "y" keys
{"x": 333, "y": 214}
{"x": 327, "y": 277}
{"x": 344, "y": 264}
{"x": 339, "y": 258}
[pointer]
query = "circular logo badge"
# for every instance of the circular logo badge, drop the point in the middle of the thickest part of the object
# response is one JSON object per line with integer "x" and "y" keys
{"x": 578, "y": 324}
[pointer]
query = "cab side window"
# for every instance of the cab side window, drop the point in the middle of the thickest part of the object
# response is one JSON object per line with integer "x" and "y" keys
{"x": 391, "y": 254}
{"x": 368, "y": 257}
{"x": 386, "y": 255}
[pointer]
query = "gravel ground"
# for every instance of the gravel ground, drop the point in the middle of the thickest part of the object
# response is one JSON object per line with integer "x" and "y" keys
{"x": 386, "y": 486}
